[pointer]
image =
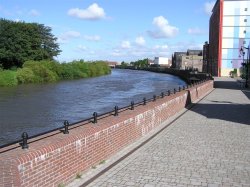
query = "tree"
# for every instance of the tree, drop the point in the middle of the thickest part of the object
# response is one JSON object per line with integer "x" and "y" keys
{"x": 124, "y": 64}
{"x": 140, "y": 63}
{"x": 20, "y": 42}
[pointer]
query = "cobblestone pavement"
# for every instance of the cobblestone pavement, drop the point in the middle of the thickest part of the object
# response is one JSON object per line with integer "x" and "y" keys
{"x": 207, "y": 146}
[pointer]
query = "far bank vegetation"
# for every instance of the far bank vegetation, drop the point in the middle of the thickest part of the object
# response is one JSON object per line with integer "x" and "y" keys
{"x": 27, "y": 52}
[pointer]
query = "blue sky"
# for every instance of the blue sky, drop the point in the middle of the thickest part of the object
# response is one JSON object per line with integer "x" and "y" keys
{"x": 117, "y": 30}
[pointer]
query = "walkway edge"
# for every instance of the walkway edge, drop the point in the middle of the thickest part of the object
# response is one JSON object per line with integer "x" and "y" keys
{"x": 91, "y": 175}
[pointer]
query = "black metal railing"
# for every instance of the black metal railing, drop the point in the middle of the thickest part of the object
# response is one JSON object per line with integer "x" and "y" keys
{"x": 23, "y": 142}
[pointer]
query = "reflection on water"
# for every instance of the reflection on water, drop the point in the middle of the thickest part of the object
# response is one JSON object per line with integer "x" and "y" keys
{"x": 37, "y": 108}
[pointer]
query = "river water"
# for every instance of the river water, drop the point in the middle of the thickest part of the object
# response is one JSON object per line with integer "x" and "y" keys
{"x": 38, "y": 108}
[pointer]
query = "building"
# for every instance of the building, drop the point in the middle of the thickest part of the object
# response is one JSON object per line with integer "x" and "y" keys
{"x": 150, "y": 62}
{"x": 205, "y": 57}
{"x": 229, "y": 30}
{"x": 176, "y": 59}
{"x": 192, "y": 59}
{"x": 162, "y": 61}
{"x": 111, "y": 64}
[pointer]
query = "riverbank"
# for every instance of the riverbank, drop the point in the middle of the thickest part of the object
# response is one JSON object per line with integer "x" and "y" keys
{"x": 52, "y": 71}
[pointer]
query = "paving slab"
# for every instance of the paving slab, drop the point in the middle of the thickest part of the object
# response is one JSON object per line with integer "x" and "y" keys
{"x": 209, "y": 145}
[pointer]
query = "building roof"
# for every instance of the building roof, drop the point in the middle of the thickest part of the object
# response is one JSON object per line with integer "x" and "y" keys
{"x": 179, "y": 53}
{"x": 194, "y": 52}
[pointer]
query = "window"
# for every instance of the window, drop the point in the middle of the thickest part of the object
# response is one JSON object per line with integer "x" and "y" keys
{"x": 244, "y": 42}
{"x": 245, "y": 31}
{"x": 245, "y": 9}
{"x": 245, "y": 20}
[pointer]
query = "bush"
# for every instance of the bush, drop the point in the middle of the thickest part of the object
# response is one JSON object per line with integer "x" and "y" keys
{"x": 25, "y": 75}
{"x": 8, "y": 78}
{"x": 51, "y": 71}
{"x": 41, "y": 72}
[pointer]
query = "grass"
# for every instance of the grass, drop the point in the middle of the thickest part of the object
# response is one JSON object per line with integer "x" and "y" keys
{"x": 78, "y": 176}
{"x": 8, "y": 78}
{"x": 102, "y": 162}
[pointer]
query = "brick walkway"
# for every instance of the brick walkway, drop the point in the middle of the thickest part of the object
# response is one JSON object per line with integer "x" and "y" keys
{"x": 207, "y": 146}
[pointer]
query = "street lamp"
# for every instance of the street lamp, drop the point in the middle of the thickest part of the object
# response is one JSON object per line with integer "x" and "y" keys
{"x": 247, "y": 62}
{"x": 242, "y": 53}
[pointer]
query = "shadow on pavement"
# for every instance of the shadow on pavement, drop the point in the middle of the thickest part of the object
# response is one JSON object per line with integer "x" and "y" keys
{"x": 225, "y": 110}
{"x": 232, "y": 85}
{"x": 238, "y": 113}
{"x": 247, "y": 93}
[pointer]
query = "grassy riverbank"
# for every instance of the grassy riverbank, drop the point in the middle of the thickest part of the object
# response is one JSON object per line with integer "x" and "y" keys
{"x": 52, "y": 71}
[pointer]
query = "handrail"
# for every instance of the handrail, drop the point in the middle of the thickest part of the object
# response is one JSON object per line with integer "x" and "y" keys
{"x": 65, "y": 129}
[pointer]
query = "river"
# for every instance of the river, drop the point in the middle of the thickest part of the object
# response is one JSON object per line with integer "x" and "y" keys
{"x": 41, "y": 107}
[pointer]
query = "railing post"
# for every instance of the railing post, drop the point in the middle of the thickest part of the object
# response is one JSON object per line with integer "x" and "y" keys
{"x": 116, "y": 111}
{"x": 154, "y": 98}
{"x": 132, "y": 105}
{"x": 179, "y": 89}
{"x": 162, "y": 94}
{"x": 25, "y": 140}
{"x": 183, "y": 87}
{"x": 169, "y": 92}
{"x": 95, "y": 117}
{"x": 144, "y": 101}
{"x": 66, "y": 127}
{"x": 174, "y": 90}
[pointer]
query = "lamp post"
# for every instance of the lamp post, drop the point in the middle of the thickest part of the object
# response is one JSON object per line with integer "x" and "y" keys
{"x": 247, "y": 62}
{"x": 242, "y": 53}
{"x": 192, "y": 63}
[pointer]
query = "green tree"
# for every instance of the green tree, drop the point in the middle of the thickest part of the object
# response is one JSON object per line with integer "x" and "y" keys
{"x": 140, "y": 63}
{"x": 20, "y": 42}
{"x": 124, "y": 64}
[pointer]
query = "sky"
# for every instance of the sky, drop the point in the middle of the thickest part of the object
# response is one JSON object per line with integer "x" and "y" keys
{"x": 117, "y": 30}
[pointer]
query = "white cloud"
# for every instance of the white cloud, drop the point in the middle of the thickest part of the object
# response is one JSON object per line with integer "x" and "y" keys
{"x": 17, "y": 20}
{"x": 163, "y": 29}
{"x": 184, "y": 46}
{"x": 93, "y": 12}
{"x": 140, "y": 41}
{"x": 208, "y": 7}
{"x": 81, "y": 48}
{"x": 70, "y": 34}
{"x": 125, "y": 45}
{"x": 196, "y": 31}
{"x": 33, "y": 12}
{"x": 65, "y": 37}
{"x": 162, "y": 47}
{"x": 92, "y": 38}
{"x": 195, "y": 46}
{"x": 117, "y": 53}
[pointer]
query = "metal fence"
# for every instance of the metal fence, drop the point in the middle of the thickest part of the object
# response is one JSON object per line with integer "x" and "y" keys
{"x": 23, "y": 142}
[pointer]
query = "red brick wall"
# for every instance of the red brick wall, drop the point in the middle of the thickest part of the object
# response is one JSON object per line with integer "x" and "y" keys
{"x": 57, "y": 158}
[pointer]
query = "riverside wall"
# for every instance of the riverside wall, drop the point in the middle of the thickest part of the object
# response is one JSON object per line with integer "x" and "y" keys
{"x": 57, "y": 158}
{"x": 186, "y": 75}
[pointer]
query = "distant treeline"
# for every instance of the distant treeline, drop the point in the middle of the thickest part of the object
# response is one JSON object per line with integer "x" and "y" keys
{"x": 136, "y": 64}
{"x": 52, "y": 71}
